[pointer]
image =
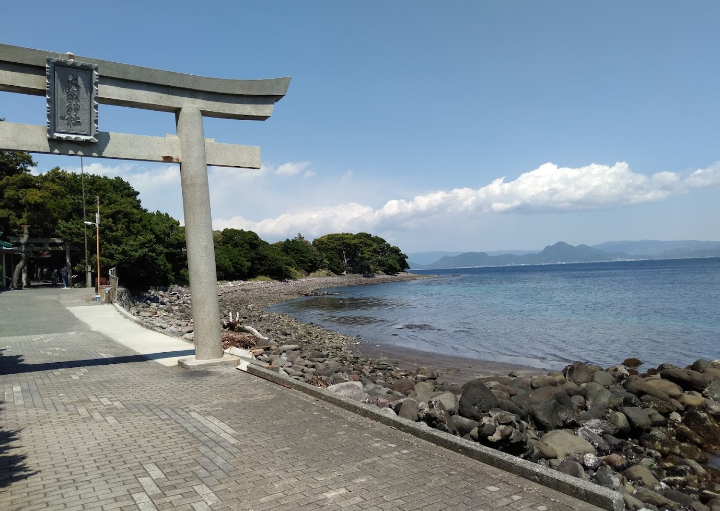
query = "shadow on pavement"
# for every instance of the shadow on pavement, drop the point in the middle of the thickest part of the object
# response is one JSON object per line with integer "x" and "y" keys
{"x": 12, "y": 466}
{"x": 21, "y": 367}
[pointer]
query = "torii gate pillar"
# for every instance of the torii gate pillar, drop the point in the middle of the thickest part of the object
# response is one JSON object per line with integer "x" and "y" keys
{"x": 68, "y": 81}
{"x": 199, "y": 233}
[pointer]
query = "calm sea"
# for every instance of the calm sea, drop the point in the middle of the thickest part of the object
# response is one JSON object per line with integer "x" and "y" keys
{"x": 543, "y": 316}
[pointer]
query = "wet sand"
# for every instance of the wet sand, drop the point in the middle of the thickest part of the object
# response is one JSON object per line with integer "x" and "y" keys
{"x": 453, "y": 370}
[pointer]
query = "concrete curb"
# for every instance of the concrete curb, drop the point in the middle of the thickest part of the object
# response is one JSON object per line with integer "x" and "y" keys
{"x": 578, "y": 488}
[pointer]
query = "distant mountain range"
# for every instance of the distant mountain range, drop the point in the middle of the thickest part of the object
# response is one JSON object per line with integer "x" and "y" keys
{"x": 563, "y": 253}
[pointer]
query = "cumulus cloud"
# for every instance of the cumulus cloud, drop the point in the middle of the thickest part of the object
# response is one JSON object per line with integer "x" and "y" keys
{"x": 309, "y": 173}
{"x": 314, "y": 222}
{"x": 292, "y": 168}
{"x": 548, "y": 188}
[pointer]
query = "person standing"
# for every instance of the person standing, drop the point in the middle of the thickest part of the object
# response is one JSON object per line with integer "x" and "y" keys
{"x": 54, "y": 277}
{"x": 64, "y": 275}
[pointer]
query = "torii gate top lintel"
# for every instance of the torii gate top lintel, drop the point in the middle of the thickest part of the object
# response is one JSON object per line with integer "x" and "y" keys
{"x": 23, "y": 70}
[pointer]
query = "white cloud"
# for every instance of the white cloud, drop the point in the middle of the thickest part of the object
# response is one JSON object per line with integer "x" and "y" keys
{"x": 311, "y": 222}
{"x": 309, "y": 173}
{"x": 548, "y": 188}
{"x": 292, "y": 168}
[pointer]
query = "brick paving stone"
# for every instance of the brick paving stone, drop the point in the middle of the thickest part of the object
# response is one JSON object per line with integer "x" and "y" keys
{"x": 129, "y": 433}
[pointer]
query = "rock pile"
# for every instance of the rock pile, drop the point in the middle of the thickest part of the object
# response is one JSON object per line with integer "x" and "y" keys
{"x": 650, "y": 436}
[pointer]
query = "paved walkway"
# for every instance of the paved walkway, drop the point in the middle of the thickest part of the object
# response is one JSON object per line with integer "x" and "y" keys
{"x": 88, "y": 423}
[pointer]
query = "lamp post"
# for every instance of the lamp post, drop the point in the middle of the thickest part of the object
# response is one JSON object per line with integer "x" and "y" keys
{"x": 88, "y": 272}
{"x": 97, "y": 237}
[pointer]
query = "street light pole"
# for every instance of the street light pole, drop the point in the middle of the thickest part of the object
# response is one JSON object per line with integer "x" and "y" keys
{"x": 97, "y": 237}
{"x": 88, "y": 272}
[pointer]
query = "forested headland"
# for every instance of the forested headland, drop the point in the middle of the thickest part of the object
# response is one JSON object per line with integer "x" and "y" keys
{"x": 148, "y": 248}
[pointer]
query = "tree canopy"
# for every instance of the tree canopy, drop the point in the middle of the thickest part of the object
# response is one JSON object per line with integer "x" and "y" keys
{"x": 359, "y": 253}
{"x": 148, "y": 249}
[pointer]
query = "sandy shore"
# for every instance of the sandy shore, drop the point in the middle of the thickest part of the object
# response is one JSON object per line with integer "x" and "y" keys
{"x": 251, "y": 298}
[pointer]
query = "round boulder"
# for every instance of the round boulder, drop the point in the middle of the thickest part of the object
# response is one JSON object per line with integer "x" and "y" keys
{"x": 350, "y": 390}
{"x": 476, "y": 400}
{"x": 564, "y": 442}
{"x": 578, "y": 372}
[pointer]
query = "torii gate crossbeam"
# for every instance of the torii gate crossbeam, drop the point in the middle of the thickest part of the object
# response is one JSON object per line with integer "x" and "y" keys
{"x": 190, "y": 98}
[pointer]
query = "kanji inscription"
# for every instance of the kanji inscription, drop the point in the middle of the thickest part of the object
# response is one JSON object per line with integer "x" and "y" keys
{"x": 72, "y": 106}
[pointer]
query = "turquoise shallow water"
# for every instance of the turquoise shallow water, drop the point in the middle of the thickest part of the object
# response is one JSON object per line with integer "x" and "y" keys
{"x": 543, "y": 316}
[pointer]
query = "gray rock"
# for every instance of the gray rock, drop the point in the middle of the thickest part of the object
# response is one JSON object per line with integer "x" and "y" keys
{"x": 657, "y": 440}
{"x": 619, "y": 372}
{"x": 632, "y": 503}
{"x": 663, "y": 407}
{"x": 676, "y": 496}
{"x": 650, "y": 497}
{"x": 666, "y": 386}
{"x": 603, "y": 378}
{"x": 449, "y": 401}
{"x": 628, "y": 398}
{"x": 686, "y": 378}
{"x": 590, "y": 461}
{"x": 597, "y": 441}
{"x": 579, "y": 373}
{"x": 639, "y": 386}
{"x": 713, "y": 407}
{"x": 573, "y": 389}
{"x": 388, "y": 412}
{"x": 409, "y": 409}
{"x": 550, "y": 407}
{"x": 578, "y": 402}
{"x": 543, "y": 380}
{"x": 600, "y": 397}
{"x": 571, "y": 468}
{"x": 601, "y": 427}
{"x": 637, "y": 417}
{"x": 350, "y": 390}
{"x": 436, "y": 416}
{"x": 476, "y": 400}
{"x": 565, "y": 442}
{"x": 656, "y": 419}
{"x": 404, "y": 385}
{"x": 713, "y": 390}
{"x": 424, "y": 390}
{"x": 642, "y": 474}
{"x": 607, "y": 478}
{"x": 462, "y": 424}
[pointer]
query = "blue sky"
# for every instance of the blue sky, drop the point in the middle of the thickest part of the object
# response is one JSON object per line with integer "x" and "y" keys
{"x": 437, "y": 125}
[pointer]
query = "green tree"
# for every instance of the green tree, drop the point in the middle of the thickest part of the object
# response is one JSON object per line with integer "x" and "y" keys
{"x": 23, "y": 201}
{"x": 359, "y": 253}
{"x": 242, "y": 254}
{"x": 303, "y": 254}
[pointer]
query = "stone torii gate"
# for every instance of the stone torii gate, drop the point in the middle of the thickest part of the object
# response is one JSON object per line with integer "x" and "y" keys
{"x": 75, "y": 85}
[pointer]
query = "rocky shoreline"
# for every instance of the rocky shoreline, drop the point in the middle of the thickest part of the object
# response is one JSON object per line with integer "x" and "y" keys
{"x": 649, "y": 436}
